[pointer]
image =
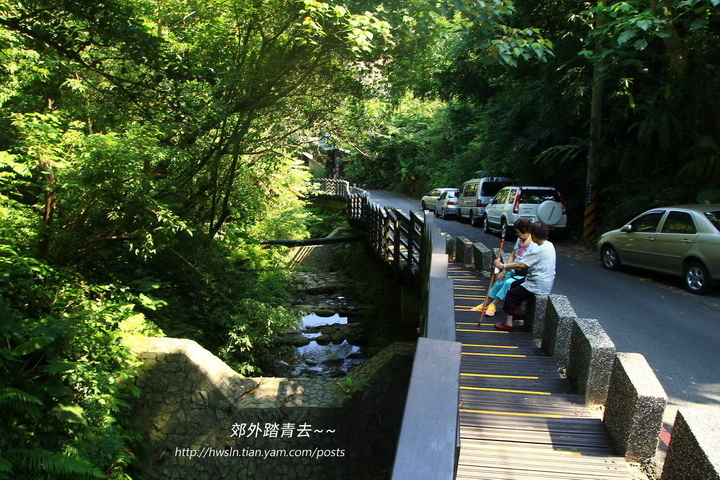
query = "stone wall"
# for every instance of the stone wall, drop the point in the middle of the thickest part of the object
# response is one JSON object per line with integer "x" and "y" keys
{"x": 202, "y": 420}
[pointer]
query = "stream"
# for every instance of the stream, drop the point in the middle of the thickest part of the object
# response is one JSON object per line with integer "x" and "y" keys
{"x": 325, "y": 344}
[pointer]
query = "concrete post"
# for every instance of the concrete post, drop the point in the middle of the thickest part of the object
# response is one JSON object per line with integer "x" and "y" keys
{"x": 634, "y": 410}
{"x": 590, "y": 360}
{"x": 558, "y": 329}
{"x": 450, "y": 246}
{"x": 482, "y": 257}
{"x": 463, "y": 251}
{"x": 535, "y": 314}
{"x": 693, "y": 451}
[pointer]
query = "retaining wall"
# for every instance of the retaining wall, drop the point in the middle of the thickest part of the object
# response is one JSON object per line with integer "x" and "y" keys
{"x": 202, "y": 420}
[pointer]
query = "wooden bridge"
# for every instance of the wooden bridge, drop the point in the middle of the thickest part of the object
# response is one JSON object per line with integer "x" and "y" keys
{"x": 518, "y": 417}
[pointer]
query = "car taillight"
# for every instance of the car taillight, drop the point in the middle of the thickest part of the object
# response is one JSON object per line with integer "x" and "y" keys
{"x": 481, "y": 205}
{"x": 451, "y": 202}
{"x": 562, "y": 202}
{"x": 516, "y": 205}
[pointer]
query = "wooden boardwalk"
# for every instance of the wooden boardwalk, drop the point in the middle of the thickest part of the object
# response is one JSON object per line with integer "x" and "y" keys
{"x": 518, "y": 417}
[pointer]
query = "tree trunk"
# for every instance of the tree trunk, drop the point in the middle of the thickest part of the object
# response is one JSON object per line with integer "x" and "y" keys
{"x": 675, "y": 44}
{"x": 598, "y": 90}
{"x": 595, "y": 145}
{"x": 48, "y": 210}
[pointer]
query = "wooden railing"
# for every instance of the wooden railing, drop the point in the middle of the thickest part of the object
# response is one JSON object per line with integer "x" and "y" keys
{"x": 395, "y": 237}
{"x": 429, "y": 441}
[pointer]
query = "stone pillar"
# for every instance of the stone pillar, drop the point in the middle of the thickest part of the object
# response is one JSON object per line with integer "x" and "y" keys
{"x": 693, "y": 450}
{"x": 463, "y": 251}
{"x": 482, "y": 257}
{"x": 590, "y": 360}
{"x": 535, "y": 314}
{"x": 558, "y": 329}
{"x": 450, "y": 246}
{"x": 634, "y": 409}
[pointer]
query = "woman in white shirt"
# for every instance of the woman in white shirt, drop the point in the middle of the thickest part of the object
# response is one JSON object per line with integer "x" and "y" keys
{"x": 540, "y": 262}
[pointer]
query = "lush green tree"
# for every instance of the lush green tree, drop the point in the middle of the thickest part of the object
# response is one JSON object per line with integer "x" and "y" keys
{"x": 145, "y": 149}
{"x": 642, "y": 72}
{"x": 657, "y": 60}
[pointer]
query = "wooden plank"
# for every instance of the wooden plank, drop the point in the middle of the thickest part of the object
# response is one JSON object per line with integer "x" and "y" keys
{"x": 518, "y": 417}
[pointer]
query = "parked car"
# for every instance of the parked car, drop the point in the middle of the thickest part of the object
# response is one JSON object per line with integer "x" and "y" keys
{"x": 537, "y": 204}
{"x": 447, "y": 204}
{"x": 429, "y": 200}
{"x": 681, "y": 240}
{"x": 475, "y": 195}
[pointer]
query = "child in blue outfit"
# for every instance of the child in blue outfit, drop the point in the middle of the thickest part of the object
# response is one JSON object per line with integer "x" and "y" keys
{"x": 504, "y": 280}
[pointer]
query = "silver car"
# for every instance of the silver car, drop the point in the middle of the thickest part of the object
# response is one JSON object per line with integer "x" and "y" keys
{"x": 447, "y": 204}
{"x": 681, "y": 240}
{"x": 428, "y": 201}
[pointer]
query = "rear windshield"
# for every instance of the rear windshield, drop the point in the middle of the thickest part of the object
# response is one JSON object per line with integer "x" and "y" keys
{"x": 490, "y": 189}
{"x": 714, "y": 218}
{"x": 531, "y": 195}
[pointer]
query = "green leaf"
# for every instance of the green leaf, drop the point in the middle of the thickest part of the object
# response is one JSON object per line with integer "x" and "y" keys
{"x": 13, "y": 398}
{"x": 66, "y": 464}
{"x": 644, "y": 24}
{"x": 640, "y": 44}
{"x": 33, "y": 345}
{"x": 626, "y": 36}
{"x": 698, "y": 24}
{"x": 69, "y": 413}
{"x": 631, "y": 99}
{"x": 57, "y": 367}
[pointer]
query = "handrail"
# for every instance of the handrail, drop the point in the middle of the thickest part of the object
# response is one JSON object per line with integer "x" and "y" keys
{"x": 395, "y": 237}
{"x": 429, "y": 441}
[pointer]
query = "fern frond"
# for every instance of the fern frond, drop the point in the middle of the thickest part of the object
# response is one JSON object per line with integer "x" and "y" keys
{"x": 39, "y": 460}
{"x": 17, "y": 399}
{"x": 5, "y": 466}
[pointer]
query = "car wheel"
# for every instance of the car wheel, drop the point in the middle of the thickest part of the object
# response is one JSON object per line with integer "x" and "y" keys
{"x": 609, "y": 258}
{"x": 422, "y": 204}
{"x": 504, "y": 230}
{"x": 696, "y": 277}
{"x": 486, "y": 225}
{"x": 442, "y": 214}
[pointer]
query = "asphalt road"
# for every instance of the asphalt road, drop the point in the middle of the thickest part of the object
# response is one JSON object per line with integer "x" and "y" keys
{"x": 676, "y": 331}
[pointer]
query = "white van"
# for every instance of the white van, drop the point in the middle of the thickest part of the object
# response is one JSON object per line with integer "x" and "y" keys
{"x": 475, "y": 195}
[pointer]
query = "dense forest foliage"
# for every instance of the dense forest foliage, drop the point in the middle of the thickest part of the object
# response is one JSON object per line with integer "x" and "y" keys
{"x": 146, "y": 146}
{"x": 626, "y": 99}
